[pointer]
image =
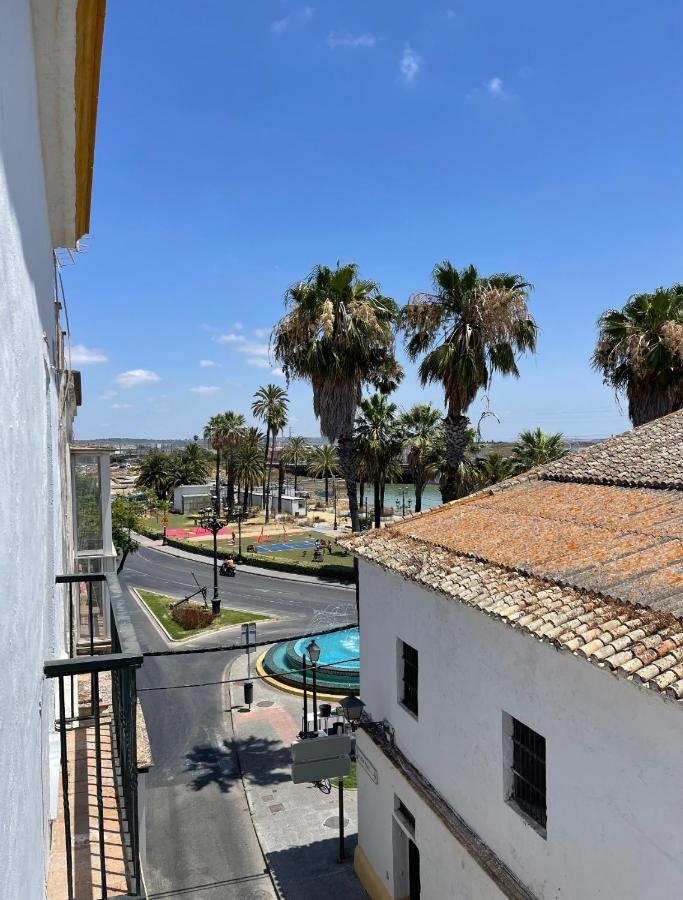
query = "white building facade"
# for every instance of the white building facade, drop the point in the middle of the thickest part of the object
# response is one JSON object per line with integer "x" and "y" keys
{"x": 47, "y": 108}
{"x": 508, "y": 765}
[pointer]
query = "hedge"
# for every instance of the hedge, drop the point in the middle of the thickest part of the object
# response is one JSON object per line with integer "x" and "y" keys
{"x": 341, "y": 573}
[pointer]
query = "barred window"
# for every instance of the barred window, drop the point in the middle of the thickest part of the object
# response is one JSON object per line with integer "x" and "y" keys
{"x": 528, "y": 772}
{"x": 410, "y": 672}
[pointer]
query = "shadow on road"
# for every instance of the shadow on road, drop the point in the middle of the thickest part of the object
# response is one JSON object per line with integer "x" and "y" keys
{"x": 265, "y": 763}
{"x": 313, "y": 870}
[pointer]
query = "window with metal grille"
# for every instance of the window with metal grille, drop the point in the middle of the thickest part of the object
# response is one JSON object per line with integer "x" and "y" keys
{"x": 528, "y": 771}
{"x": 409, "y": 698}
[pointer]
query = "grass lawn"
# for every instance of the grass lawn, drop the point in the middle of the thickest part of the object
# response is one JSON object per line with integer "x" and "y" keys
{"x": 350, "y": 783}
{"x": 158, "y": 604}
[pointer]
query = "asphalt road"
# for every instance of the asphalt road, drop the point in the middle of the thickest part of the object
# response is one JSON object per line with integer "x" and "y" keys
{"x": 201, "y": 844}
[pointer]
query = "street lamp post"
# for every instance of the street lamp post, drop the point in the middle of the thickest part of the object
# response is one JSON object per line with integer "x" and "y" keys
{"x": 304, "y": 730}
{"x": 314, "y": 655}
{"x": 212, "y": 523}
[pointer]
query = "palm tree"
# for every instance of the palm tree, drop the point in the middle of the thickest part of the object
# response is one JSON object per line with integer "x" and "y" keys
{"x": 470, "y": 327}
{"x": 422, "y": 430}
{"x": 249, "y": 468}
{"x": 154, "y": 474}
{"x": 339, "y": 336}
{"x": 195, "y": 463}
{"x": 270, "y": 406}
{"x": 296, "y": 449}
{"x": 379, "y": 441}
{"x": 493, "y": 467}
{"x": 535, "y": 448}
{"x": 233, "y": 429}
{"x": 323, "y": 462}
{"x": 640, "y": 352}
{"x": 215, "y": 433}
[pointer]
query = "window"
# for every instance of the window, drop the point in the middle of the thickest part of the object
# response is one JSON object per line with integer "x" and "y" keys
{"x": 409, "y": 694}
{"x": 528, "y": 772}
{"x": 88, "y": 502}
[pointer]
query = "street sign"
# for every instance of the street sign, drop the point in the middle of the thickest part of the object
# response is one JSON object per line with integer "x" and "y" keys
{"x": 249, "y": 634}
{"x": 320, "y": 769}
{"x": 327, "y": 756}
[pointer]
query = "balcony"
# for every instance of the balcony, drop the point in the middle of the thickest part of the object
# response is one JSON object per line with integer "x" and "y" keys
{"x": 96, "y": 845}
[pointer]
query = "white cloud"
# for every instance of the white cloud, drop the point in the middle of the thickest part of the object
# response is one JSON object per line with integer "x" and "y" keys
{"x": 238, "y": 326}
{"x": 261, "y": 332}
{"x": 278, "y": 373}
{"x": 107, "y": 395}
{"x": 86, "y": 356}
{"x": 207, "y": 363}
{"x": 495, "y": 87}
{"x": 410, "y": 65}
{"x": 121, "y": 406}
{"x": 134, "y": 377}
{"x": 256, "y": 352}
{"x": 295, "y": 19}
{"x": 230, "y": 338}
{"x": 205, "y": 389}
{"x": 352, "y": 41}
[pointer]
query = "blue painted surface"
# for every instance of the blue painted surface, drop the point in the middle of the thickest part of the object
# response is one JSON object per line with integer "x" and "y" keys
{"x": 291, "y": 545}
{"x": 340, "y": 649}
{"x": 338, "y": 666}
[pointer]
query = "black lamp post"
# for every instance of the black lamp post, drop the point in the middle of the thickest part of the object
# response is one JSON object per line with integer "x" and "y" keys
{"x": 314, "y": 655}
{"x": 240, "y": 516}
{"x": 304, "y": 730}
{"x": 352, "y": 709}
{"x": 212, "y": 523}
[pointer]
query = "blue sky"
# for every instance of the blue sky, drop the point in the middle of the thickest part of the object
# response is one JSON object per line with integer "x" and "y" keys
{"x": 239, "y": 144}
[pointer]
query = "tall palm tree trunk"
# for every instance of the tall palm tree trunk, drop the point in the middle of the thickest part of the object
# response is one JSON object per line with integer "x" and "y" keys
{"x": 218, "y": 482}
{"x": 327, "y": 490}
{"x": 361, "y": 494}
{"x": 231, "y": 481}
{"x": 265, "y": 465}
{"x": 270, "y": 472}
{"x": 296, "y": 472}
{"x": 455, "y": 426}
{"x": 378, "y": 503}
{"x": 347, "y": 461}
{"x": 419, "y": 488}
{"x": 280, "y": 484}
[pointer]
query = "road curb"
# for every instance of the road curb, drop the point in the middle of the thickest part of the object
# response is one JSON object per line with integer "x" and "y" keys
{"x": 245, "y": 569}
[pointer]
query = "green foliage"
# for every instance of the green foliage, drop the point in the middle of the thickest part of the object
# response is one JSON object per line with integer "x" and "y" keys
{"x": 423, "y": 436}
{"x": 160, "y": 606}
{"x": 536, "y": 448}
{"x": 640, "y": 352}
{"x": 125, "y": 517}
{"x": 493, "y": 467}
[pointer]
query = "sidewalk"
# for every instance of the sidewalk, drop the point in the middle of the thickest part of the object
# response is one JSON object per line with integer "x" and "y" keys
{"x": 249, "y": 570}
{"x": 296, "y": 824}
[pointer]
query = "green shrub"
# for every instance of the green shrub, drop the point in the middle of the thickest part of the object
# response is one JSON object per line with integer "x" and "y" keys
{"x": 191, "y": 616}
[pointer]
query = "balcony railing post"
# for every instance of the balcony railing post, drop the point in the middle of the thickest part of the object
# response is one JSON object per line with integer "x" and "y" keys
{"x": 65, "y": 791}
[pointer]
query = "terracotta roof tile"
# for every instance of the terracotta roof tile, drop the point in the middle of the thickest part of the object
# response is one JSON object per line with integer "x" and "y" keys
{"x": 646, "y": 647}
{"x": 651, "y": 455}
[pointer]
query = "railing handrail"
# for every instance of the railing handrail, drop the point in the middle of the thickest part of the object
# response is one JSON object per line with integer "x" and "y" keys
{"x": 75, "y": 578}
{"x": 127, "y": 637}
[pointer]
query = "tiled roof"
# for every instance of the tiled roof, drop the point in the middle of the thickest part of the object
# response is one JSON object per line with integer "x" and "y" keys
{"x": 649, "y": 456}
{"x": 586, "y": 553}
{"x": 639, "y": 644}
{"x": 625, "y": 543}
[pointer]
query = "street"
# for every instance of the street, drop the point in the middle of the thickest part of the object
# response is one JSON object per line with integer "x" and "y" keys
{"x": 201, "y": 844}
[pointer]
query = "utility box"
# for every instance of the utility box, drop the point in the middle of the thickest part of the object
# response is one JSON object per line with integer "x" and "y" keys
{"x": 327, "y": 756}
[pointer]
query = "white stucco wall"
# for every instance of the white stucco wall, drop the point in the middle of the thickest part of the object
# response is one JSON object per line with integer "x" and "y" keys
{"x": 614, "y": 753}
{"x": 31, "y": 524}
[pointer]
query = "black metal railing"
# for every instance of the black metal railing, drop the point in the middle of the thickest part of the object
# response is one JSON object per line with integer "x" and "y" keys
{"x": 122, "y": 663}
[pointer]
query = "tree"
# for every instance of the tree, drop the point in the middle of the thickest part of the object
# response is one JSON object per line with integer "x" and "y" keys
{"x": 535, "y": 448}
{"x": 323, "y": 462}
{"x": 338, "y": 335}
{"x": 469, "y": 328}
{"x": 125, "y": 517}
{"x": 493, "y": 467}
{"x": 270, "y": 407}
{"x": 249, "y": 468}
{"x": 214, "y": 434}
{"x": 191, "y": 465}
{"x": 154, "y": 474}
{"x": 233, "y": 429}
{"x": 640, "y": 352}
{"x": 295, "y": 450}
{"x": 379, "y": 442}
{"x": 422, "y": 434}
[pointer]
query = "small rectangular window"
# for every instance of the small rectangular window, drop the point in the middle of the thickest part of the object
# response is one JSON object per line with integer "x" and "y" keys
{"x": 528, "y": 772}
{"x": 410, "y": 672}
